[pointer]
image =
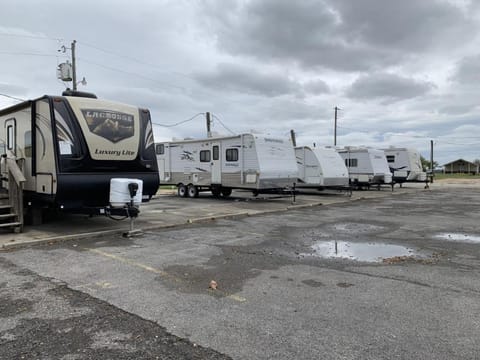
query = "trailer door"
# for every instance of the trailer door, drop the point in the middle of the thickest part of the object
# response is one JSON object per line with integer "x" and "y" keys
{"x": 216, "y": 163}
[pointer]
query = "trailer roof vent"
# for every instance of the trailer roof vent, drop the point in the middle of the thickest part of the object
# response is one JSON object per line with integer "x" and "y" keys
{"x": 76, "y": 93}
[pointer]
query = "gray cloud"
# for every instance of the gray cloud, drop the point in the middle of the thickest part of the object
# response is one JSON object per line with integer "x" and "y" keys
{"x": 303, "y": 32}
{"x": 387, "y": 86}
{"x": 410, "y": 25}
{"x": 342, "y": 35}
{"x": 468, "y": 70}
{"x": 292, "y": 110}
{"x": 456, "y": 109}
{"x": 316, "y": 87}
{"x": 247, "y": 80}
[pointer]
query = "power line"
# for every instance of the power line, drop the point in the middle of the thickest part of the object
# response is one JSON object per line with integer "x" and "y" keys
{"x": 117, "y": 55}
{"x": 461, "y": 137}
{"x": 12, "y": 97}
{"x": 94, "y": 63}
{"x": 31, "y": 36}
{"x": 88, "y": 45}
{"x": 180, "y": 122}
{"x": 221, "y": 123}
{"x": 26, "y": 53}
{"x": 204, "y": 90}
{"x": 131, "y": 73}
{"x": 457, "y": 144}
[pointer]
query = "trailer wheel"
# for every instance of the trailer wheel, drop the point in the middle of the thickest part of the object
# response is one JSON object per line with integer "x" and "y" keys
{"x": 182, "y": 190}
{"x": 226, "y": 192}
{"x": 216, "y": 191}
{"x": 192, "y": 191}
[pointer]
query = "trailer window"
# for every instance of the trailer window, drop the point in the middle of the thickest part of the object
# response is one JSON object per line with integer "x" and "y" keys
{"x": 216, "y": 152}
{"x": 205, "y": 156}
{"x": 67, "y": 138}
{"x": 28, "y": 144}
{"x": 351, "y": 162}
{"x": 160, "y": 149}
{"x": 391, "y": 158}
{"x": 10, "y": 137}
{"x": 231, "y": 155}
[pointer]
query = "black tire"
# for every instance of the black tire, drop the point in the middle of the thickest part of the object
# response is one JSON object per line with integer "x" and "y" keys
{"x": 182, "y": 190}
{"x": 192, "y": 191}
{"x": 226, "y": 192}
{"x": 216, "y": 191}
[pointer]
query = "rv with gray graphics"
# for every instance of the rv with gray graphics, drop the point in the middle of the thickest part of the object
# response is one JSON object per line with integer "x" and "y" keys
{"x": 219, "y": 164}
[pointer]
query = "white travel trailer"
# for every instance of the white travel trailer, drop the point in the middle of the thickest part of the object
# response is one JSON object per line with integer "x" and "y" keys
{"x": 366, "y": 166}
{"x": 220, "y": 164}
{"x": 70, "y": 147}
{"x": 320, "y": 168}
{"x": 405, "y": 165}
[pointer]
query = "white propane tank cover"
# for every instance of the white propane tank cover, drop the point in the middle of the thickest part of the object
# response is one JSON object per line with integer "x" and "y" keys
{"x": 119, "y": 193}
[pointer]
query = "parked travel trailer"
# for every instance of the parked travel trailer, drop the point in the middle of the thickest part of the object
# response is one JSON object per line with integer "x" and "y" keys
{"x": 220, "y": 164}
{"x": 320, "y": 168}
{"x": 405, "y": 165}
{"x": 366, "y": 166}
{"x": 70, "y": 147}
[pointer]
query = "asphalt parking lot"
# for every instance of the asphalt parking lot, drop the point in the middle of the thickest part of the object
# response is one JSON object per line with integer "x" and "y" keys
{"x": 387, "y": 277}
{"x": 167, "y": 210}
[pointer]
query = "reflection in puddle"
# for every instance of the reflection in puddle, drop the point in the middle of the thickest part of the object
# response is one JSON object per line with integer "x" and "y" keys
{"x": 370, "y": 252}
{"x": 459, "y": 237}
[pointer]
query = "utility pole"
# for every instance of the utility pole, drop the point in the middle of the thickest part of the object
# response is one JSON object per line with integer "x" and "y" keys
{"x": 294, "y": 139}
{"x": 67, "y": 71}
{"x": 74, "y": 66}
{"x": 431, "y": 160}
{"x": 335, "y": 127}
{"x": 207, "y": 116}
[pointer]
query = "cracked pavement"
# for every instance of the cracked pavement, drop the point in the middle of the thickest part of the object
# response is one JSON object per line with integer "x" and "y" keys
{"x": 282, "y": 293}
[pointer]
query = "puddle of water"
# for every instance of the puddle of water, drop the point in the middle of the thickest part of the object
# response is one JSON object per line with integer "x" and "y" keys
{"x": 356, "y": 227}
{"x": 369, "y": 252}
{"x": 459, "y": 237}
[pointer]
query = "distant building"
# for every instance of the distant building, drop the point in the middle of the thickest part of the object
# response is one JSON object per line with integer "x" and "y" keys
{"x": 460, "y": 166}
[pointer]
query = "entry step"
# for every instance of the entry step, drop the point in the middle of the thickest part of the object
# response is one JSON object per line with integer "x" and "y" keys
{"x": 12, "y": 224}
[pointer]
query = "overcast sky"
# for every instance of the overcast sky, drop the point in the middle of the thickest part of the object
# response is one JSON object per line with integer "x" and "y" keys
{"x": 402, "y": 72}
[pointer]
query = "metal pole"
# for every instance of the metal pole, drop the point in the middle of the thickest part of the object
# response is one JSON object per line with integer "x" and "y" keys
{"x": 74, "y": 67}
{"x": 335, "y": 128}
{"x": 292, "y": 135}
{"x": 207, "y": 116}
{"x": 431, "y": 159}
